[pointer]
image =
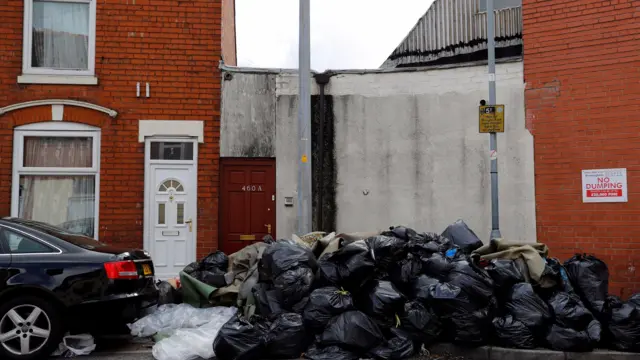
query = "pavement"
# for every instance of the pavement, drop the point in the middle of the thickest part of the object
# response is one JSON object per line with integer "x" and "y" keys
{"x": 141, "y": 350}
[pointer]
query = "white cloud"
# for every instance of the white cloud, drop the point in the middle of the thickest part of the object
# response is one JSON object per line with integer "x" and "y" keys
{"x": 345, "y": 34}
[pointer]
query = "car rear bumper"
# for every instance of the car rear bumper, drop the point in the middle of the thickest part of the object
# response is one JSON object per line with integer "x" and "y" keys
{"x": 108, "y": 315}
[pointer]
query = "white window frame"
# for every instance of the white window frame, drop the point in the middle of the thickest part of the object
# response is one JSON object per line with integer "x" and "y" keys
{"x": 57, "y": 76}
{"x": 55, "y": 129}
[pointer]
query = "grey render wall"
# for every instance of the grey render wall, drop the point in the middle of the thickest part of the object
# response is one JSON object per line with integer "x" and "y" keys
{"x": 248, "y": 113}
{"x": 407, "y": 148}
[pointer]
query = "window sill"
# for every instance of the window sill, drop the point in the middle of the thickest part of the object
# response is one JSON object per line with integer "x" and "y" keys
{"x": 58, "y": 79}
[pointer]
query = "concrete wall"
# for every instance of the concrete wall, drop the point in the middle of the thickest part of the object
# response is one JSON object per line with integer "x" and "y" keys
{"x": 407, "y": 148}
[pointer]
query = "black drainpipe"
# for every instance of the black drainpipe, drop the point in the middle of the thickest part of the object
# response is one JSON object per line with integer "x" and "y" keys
{"x": 321, "y": 80}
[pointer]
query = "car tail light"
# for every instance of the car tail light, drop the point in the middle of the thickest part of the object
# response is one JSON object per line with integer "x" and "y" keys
{"x": 119, "y": 270}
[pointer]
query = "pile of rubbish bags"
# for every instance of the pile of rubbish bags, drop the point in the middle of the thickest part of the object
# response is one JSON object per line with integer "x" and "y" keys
{"x": 387, "y": 295}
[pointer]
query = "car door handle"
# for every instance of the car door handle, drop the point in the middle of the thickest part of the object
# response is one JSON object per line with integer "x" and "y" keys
{"x": 53, "y": 272}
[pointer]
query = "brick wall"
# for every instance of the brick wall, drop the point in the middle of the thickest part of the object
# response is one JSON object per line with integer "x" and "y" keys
{"x": 582, "y": 74}
{"x": 175, "y": 46}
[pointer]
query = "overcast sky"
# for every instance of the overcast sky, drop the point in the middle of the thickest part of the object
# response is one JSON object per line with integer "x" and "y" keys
{"x": 345, "y": 34}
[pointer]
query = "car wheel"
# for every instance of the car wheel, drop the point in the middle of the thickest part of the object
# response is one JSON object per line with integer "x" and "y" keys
{"x": 30, "y": 328}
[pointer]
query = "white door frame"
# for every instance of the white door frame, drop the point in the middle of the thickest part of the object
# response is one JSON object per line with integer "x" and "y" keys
{"x": 149, "y": 187}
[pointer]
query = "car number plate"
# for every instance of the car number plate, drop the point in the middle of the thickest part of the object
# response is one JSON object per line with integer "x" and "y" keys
{"x": 146, "y": 269}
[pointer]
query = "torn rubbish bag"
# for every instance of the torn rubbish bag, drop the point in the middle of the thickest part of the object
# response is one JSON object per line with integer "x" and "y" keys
{"x": 352, "y": 330}
{"x": 526, "y": 306}
{"x": 512, "y": 333}
{"x": 382, "y": 301}
{"x": 590, "y": 278}
{"x": 239, "y": 340}
{"x": 324, "y": 304}
{"x": 462, "y": 236}
{"x": 287, "y": 337}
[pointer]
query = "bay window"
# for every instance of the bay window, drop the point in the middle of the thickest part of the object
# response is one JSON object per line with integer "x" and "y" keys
{"x": 56, "y": 177}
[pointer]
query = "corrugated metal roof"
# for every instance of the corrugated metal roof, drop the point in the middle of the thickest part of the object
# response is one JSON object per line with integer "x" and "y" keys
{"x": 455, "y": 27}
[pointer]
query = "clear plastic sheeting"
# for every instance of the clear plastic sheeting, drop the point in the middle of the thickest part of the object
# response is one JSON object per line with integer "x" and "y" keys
{"x": 170, "y": 317}
{"x": 194, "y": 343}
{"x": 74, "y": 345}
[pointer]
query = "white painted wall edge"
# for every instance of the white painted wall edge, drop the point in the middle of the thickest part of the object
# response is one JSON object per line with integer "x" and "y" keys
{"x": 190, "y": 128}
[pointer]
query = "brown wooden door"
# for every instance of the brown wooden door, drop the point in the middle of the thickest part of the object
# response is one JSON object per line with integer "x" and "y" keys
{"x": 247, "y": 202}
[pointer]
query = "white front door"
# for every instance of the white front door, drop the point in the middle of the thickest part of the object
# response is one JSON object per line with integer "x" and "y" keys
{"x": 172, "y": 218}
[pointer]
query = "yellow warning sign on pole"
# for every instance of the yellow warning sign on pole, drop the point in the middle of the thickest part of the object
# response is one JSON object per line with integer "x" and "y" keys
{"x": 491, "y": 119}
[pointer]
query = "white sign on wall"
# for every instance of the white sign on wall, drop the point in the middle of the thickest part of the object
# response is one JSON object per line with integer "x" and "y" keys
{"x": 604, "y": 185}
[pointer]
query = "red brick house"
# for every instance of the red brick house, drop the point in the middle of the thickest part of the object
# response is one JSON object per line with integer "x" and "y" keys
{"x": 582, "y": 74}
{"x": 109, "y": 120}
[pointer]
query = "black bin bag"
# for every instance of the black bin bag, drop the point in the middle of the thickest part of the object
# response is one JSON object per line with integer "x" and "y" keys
{"x": 287, "y": 337}
{"x": 511, "y": 333}
{"x": 167, "y": 294}
{"x": 624, "y": 327}
{"x": 420, "y": 323}
{"x": 422, "y": 287}
{"x": 324, "y": 304}
{"x": 590, "y": 278}
{"x": 350, "y": 267}
{"x": 567, "y": 339}
{"x": 386, "y": 250}
{"x": 382, "y": 301}
{"x": 282, "y": 256}
{"x": 238, "y": 339}
{"x": 404, "y": 272}
{"x": 333, "y": 352}
{"x": 293, "y": 285}
{"x": 469, "y": 328}
{"x": 267, "y": 302}
{"x": 570, "y": 312}
{"x": 473, "y": 280}
{"x": 505, "y": 273}
{"x": 352, "y": 330}
{"x": 399, "y": 346}
{"x": 437, "y": 266}
{"x": 216, "y": 260}
{"x": 526, "y": 306}
{"x": 463, "y": 237}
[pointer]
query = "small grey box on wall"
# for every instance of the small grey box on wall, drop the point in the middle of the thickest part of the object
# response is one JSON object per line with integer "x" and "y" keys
{"x": 288, "y": 201}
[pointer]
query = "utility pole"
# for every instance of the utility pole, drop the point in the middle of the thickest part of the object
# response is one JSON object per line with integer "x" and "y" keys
{"x": 304, "y": 205}
{"x": 493, "y": 138}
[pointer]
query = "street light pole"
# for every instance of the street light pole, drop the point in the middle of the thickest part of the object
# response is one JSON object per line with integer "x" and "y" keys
{"x": 493, "y": 138}
{"x": 304, "y": 205}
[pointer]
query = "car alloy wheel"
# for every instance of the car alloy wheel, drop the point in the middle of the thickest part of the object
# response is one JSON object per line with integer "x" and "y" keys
{"x": 24, "y": 329}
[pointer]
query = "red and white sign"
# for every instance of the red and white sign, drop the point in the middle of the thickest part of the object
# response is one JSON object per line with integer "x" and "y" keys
{"x": 605, "y": 185}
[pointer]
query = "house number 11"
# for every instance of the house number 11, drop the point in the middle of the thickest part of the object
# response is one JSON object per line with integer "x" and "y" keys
{"x": 252, "y": 188}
